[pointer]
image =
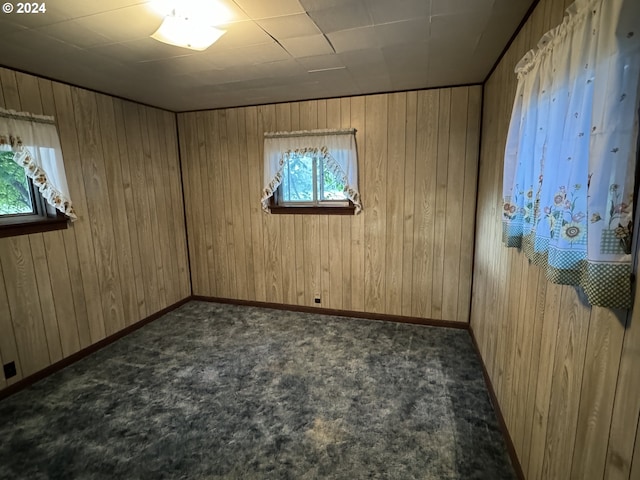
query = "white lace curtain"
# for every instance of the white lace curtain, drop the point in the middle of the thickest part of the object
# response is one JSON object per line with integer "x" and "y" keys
{"x": 571, "y": 150}
{"x": 336, "y": 147}
{"x": 34, "y": 141}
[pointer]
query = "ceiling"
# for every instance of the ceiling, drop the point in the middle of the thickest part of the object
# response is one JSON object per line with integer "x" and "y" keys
{"x": 273, "y": 50}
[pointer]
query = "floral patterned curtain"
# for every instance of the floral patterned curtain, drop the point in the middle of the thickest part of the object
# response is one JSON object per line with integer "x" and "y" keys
{"x": 570, "y": 156}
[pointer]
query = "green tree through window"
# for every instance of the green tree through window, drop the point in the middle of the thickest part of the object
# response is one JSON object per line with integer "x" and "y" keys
{"x": 306, "y": 180}
{"x": 15, "y": 190}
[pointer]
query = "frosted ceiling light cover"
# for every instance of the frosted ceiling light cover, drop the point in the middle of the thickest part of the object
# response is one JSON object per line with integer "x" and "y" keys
{"x": 186, "y": 32}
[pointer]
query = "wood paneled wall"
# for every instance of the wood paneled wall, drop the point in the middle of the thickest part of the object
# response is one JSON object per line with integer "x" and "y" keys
{"x": 566, "y": 375}
{"x": 409, "y": 252}
{"x": 124, "y": 258}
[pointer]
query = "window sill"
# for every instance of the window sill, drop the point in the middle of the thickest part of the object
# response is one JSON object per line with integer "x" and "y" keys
{"x": 33, "y": 225}
{"x": 280, "y": 210}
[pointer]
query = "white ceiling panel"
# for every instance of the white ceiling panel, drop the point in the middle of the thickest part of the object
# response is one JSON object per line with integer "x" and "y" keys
{"x": 267, "y": 51}
{"x": 251, "y": 55}
{"x": 123, "y": 24}
{"x": 307, "y": 46}
{"x": 354, "y": 39}
{"x": 408, "y": 32}
{"x": 289, "y": 26}
{"x": 459, "y": 25}
{"x": 364, "y": 62}
{"x": 240, "y": 34}
{"x": 384, "y": 11}
{"x": 343, "y": 17}
{"x": 321, "y": 62}
{"x": 146, "y": 49}
{"x": 82, "y": 8}
{"x": 258, "y": 9}
{"x": 8, "y": 27}
{"x": 450, "y": 7}
{"x": 73, "y": 33}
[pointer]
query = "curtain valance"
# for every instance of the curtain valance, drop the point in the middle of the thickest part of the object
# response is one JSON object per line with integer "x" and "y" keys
{"x": 34, "y": 141}
{"x": 570, "y": 156}
{"x": 336, "y": 147}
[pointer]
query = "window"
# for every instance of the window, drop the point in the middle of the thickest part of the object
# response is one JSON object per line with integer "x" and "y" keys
{"x": 33, "y": 189}
{"x": 17, "y": 197}
{"x": 307, "y": 181}
{"x": 311, "y": 172}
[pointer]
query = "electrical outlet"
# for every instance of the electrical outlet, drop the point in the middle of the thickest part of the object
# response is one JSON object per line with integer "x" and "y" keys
{"x": 10, "y": 370}
{"x": 317, "y": 299}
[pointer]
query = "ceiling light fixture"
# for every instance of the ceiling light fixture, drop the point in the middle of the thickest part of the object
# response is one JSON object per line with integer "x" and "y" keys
{"x": 190, "y": 24}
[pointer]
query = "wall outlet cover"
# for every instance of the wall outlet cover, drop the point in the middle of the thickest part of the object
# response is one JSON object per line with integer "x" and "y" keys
{"x": 10, "y": 370}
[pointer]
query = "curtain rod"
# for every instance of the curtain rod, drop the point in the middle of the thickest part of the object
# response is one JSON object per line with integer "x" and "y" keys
{"x": 310, "y": 133}
{"x": 27, "y": 117}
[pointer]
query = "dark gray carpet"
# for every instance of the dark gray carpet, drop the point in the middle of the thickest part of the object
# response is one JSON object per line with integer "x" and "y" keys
{"x": 222, "y": 391}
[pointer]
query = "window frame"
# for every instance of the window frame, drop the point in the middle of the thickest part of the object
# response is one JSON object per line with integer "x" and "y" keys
{"x": 317, "y": 205}
{"x": 43, "y": 217}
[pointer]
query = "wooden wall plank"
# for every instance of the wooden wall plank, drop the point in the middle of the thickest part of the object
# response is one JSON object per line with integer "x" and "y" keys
{"x": 147, "y": 164}
{"x": 204, "y": 179}
{"x": 227, "y": 188}
{"x": 98, "y": 204}
{"x": 394, "y": 231}
{"x": 3, "y": 382}
{"x": 626, "y": 407}
{"x": 425, "y": 202}
{"x": 176, "y": 207}
{"x": 358, "y": 114}
{"x": 8, "y": 343}
{"x": 375, "y": 169}
{"x": 246, "y": 203}
{"x": 69, "y": 143}
{"x": 454, "y": 200}
{"x": 45, "y": 295}
{"x": 336, "y": 254}
{"x": 132, "y": 122}
{"x": 467, "y": 237}
{"x": 237, "y": 212}
{"x": 157, "y": 196}
{"x": 60, "y": 273}
{"x": 602, "y": 362}
{"x": 128, "y": 204}
{"x": 301, "y": 293}
{"x": 310, "y": 223}
{"x": 323, "y": 226}
{"x": 59, "y": 276}
{"x": 271, "y": 223}
{"x": 440, "y": 211}
{"x": 566, "y": 385}
{"x": 114, "y": 184}
{"x": 408, "y": 214}
{"x": 255, "y": 175}
{"x": 345, "y": 283}
{"x": 26, "y": 315}
{"x": 287, "y": 224}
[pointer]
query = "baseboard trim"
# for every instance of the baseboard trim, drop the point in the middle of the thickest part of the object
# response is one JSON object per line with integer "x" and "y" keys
{"x": 336, "y": 312}
{"x": 496, "y": 406}
{"x": 65, "y": 362}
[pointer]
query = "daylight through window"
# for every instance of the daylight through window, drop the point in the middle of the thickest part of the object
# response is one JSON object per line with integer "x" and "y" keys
{"x": 311, "y": 169}
{"x": 16, "y": 192}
